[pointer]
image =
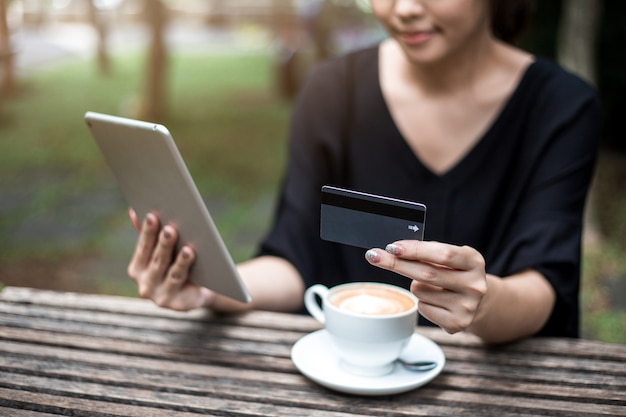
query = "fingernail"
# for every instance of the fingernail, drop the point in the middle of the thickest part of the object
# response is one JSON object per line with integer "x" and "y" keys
{"x": 186, "y": 254}
{"x": 166, "y": 233}
{"x": 394, "y": 249}
{"x": 372, "y": 256}
{"x": 149, "y": 220}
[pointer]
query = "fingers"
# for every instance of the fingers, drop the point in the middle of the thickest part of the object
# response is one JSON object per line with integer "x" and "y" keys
{"x": 450, "y": 281}
{"x": 446, "y": 319}
{"x": 178, "y": 273}
{"x": 164, "y": 251}
{"x": 430, "y": 262}
{"x": 145, "y": 245}
{"x": 134, "y": 219}
{"x": 154, "y": 272}
{"x": 450, "y": 310}
{"x": 451, "y": 256}
{"x": 161, "y": 275}
{"x": 176, "y": 291}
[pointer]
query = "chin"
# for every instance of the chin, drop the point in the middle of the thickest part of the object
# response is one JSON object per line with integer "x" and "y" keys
{"x": 424, "y": 58}
{"x": 423, "y": 54}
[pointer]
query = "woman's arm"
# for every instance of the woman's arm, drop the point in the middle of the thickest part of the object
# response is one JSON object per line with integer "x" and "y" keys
{"x": 273, "y": 283}
{"x": 513, "y": 307}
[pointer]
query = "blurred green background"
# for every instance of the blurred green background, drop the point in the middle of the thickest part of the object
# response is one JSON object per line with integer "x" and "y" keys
{"x": 228, "y": 84}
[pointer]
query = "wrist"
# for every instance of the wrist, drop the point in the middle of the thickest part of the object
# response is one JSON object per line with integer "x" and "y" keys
{"x": 206, "y": 298}
{"x": 481, "y": 324}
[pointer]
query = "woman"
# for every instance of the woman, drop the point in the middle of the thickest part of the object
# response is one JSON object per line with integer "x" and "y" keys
{"x": 499, "y": 145}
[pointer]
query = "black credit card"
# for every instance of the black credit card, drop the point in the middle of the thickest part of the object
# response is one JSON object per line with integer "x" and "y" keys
{"x": 367, "y": 220}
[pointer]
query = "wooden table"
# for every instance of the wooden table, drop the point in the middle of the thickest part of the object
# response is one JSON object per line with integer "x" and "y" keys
{"x": 91, "y": 355}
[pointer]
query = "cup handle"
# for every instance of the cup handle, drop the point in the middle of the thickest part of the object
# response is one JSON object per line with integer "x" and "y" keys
{"x": 311, "y": 303}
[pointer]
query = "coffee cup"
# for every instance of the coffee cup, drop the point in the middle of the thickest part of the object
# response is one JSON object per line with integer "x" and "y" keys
{"x": 369, "y": 323}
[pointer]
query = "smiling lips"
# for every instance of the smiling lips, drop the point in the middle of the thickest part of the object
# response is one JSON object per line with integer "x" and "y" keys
{"x": 416, "y": 37}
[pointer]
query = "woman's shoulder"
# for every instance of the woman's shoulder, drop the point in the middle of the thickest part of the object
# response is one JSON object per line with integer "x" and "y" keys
{"x": 553, "y": 80}
{"x": 333, "y": 76}
{"x": 554, "y": 93}
{"x": 347, "y": 63}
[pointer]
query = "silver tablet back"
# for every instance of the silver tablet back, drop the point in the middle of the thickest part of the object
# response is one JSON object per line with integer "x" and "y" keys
{"x": 154, "y": 178}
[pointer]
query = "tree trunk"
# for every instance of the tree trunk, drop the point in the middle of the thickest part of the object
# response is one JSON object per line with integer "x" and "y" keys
{"x": 8, "y": 83}
{"x": 155, "y": 102}
{"x": 100, "y": 25}
{"x": 577, "y": 39}
{"x": 578, "y": 34}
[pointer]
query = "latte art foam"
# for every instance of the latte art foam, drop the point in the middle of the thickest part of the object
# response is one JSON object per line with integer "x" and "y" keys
{"x": 367, "y": 304}
{"x": 373, "y": 301}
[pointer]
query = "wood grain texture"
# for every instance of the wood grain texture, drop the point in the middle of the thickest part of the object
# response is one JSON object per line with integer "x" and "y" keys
{"x": 78, "y": 354}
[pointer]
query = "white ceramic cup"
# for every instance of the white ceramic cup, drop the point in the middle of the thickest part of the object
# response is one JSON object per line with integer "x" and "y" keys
{"x": 369, "y": 323}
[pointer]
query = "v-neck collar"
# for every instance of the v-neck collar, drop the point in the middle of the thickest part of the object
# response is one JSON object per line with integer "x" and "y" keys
{"x": 458, "y": 168}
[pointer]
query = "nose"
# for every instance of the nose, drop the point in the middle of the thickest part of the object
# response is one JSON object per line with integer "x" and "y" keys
{"x": 407, "y": 9}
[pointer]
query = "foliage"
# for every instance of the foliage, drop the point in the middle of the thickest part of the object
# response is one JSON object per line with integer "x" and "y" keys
{"x": 220, "y": 104}
{"x": 541, "y": 39}
{"x": 228, "y": 123}
{"x": 604, "y": 269}
{"x": 231, "y": 129}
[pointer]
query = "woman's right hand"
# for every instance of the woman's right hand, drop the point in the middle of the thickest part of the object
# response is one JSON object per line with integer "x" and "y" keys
{"x": 160, "y": 274}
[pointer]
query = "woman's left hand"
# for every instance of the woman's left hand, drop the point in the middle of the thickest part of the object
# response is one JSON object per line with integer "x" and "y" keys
{"x": 449, "y": 281}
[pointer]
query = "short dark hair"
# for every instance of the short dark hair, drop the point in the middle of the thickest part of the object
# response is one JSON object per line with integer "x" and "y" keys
{"x": 510, "y": 18}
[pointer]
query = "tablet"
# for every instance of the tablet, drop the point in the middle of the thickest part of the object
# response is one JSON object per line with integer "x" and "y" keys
{"x": 154, "y": 178}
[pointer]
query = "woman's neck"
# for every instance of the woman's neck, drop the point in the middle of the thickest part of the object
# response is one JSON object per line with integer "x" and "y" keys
{"x": 456, "y": 73}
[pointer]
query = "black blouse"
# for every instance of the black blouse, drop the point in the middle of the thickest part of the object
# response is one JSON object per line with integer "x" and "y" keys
{"x": 517, "y": 196}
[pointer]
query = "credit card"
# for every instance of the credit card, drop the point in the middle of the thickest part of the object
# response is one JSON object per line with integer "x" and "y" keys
{"x": 367, "y": 220}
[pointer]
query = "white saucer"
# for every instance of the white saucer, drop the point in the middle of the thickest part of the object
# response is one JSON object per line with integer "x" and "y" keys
{"x": 314, "y": 356}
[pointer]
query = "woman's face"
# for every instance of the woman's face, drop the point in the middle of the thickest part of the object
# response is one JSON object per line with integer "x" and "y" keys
{"x": 432, "y": 30}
